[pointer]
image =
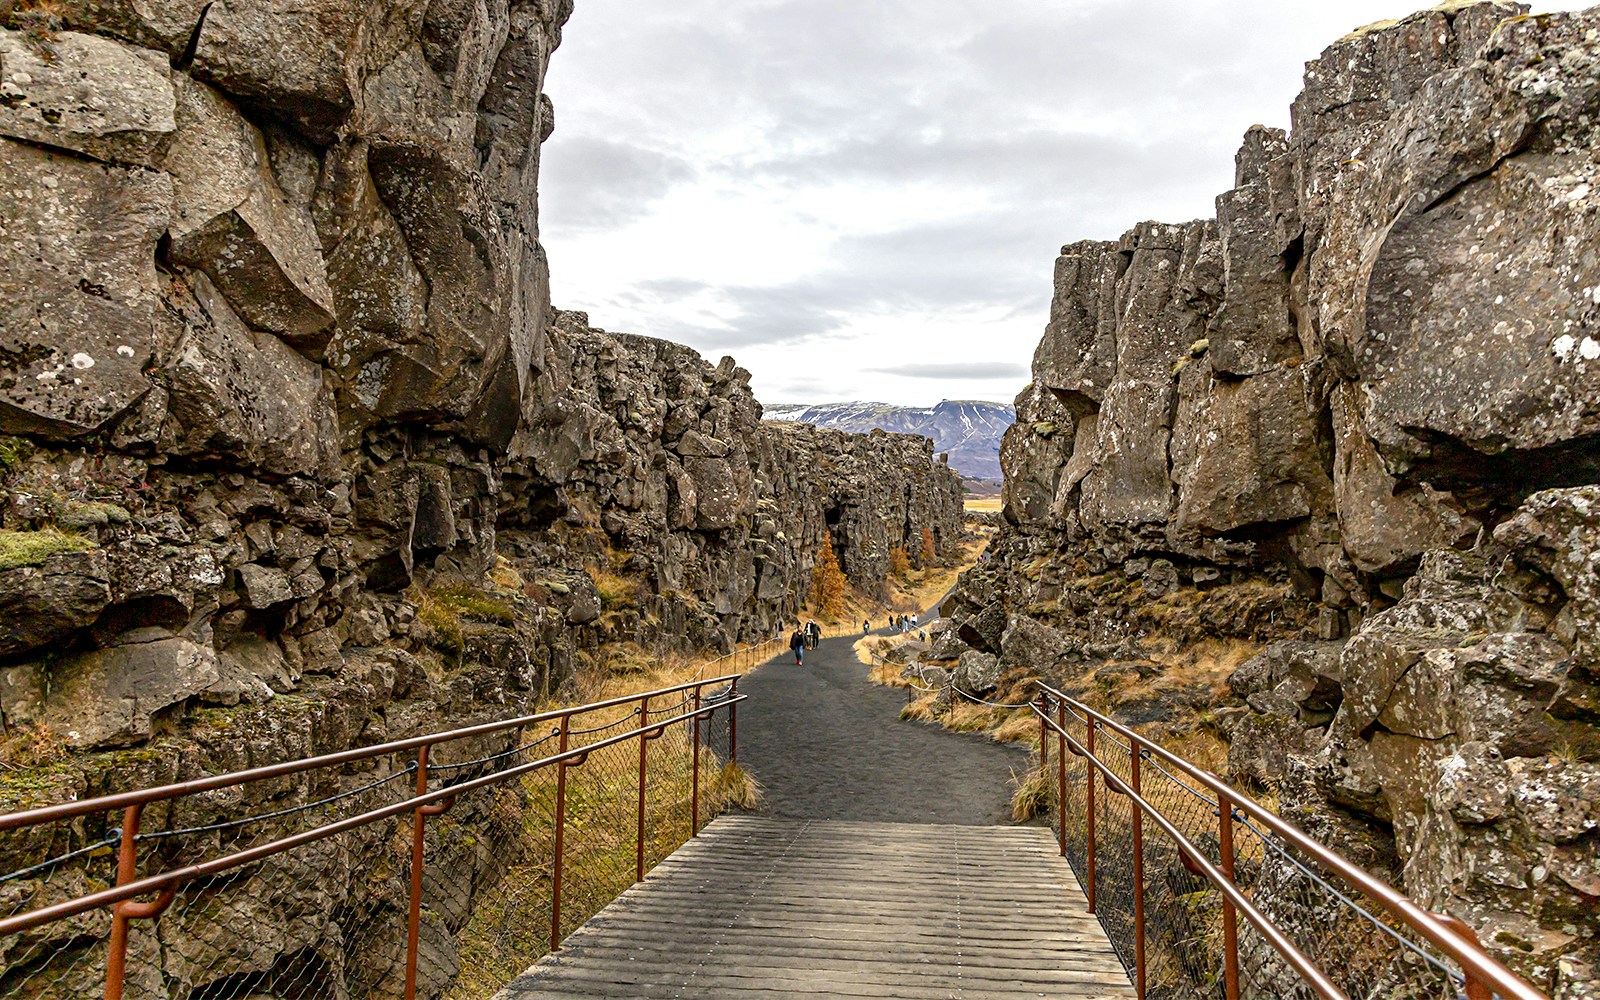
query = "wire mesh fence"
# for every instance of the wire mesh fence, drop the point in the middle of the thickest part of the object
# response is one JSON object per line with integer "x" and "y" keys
{"x": 307, "y": 882}
{"x": 1170, "y": 922}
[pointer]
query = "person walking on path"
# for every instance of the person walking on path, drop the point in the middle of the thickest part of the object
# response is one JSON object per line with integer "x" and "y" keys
{"x": 866, "y": 626}
{"x": 813, "y": 634}
{"x": 797, "y": 642}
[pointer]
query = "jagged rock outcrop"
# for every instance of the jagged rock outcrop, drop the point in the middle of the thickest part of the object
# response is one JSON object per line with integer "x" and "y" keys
{"x": 295, "y": 455}
{"x": 641, "y": 449}
{"x": 1356, "y": 416}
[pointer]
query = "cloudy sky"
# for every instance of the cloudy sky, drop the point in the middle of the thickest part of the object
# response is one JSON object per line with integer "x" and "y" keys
{"x": 863, "y": 199}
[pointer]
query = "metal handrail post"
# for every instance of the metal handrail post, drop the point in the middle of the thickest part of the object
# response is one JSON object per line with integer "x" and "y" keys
{"x": 1044, "y": 743}
{"x": 1089, "y": 809}
{"x": 418, "y": 856}
{"x": 1230, "y": 915}
{"x": 1135, "y": 751}
{"x": 694, "y": 750}
{"x": 1061, "y": 778}
{"x": 126, "y": 911}
{"x": 561, "y": 822}
{"x": 127, "y": 865}
{"x": 733, "y": 724}
{"x": 644, "y": 724}
{"x": 1476, "y": 988}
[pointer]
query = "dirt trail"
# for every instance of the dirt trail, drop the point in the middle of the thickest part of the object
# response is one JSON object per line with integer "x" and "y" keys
{"x": 827, "y": 743}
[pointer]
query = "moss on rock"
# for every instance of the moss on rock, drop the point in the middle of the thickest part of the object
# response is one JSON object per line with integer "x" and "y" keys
{"x": 32, "y": 548}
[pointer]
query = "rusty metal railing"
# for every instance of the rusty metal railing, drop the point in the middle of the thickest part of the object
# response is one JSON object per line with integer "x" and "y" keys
{"x": 1314, "y": 923}
{"x": 405, "y": 868}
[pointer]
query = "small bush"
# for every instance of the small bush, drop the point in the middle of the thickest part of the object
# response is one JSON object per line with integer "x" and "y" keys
{"x": 1035, "y": 795}
{"x": 733, "y": 784}
{"x": 615, "y": 591}
{"x": 13, "y": 452}
{"x": 445, "y": 625}
{"x": 899, "y": 562}
{"x": 476, "y": 605}
{"x": 32, "y": 548}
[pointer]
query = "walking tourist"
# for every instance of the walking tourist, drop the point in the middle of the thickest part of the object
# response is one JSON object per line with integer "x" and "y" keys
{"x": 797, "y": 642}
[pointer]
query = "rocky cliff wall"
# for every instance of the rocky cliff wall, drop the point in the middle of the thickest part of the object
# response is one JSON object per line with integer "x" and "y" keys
{"x": 1358, "y": 412}
{"x": 277, "y": 363}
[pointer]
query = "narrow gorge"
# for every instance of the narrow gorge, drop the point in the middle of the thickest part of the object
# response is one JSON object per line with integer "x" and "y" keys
{"x": 297, "y": 456}
{"x": 1311, "y": 484}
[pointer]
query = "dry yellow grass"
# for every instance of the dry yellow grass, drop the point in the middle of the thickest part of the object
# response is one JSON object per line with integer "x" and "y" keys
{"x": 984, "y": 505}
{"x": 1021, "y": 726}
{"x": 1035, "y": 795}
{"x": 914, "y": 594}
{"x": 920, "y": 710}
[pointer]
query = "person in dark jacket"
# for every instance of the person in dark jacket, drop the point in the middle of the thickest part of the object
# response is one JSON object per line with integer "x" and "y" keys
{"x": 797, "y": 642}
{"x": 813, "y": 634}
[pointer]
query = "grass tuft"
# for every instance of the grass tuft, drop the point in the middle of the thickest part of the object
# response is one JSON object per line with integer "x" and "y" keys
{"x": 32, "y": 548}
{"x": 737, "y": 786}
{"x": 1022, "y": 726}
{"x": 1035, "y": 795}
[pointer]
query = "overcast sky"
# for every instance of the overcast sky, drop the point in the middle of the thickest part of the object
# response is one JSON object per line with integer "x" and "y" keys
{"x": 863, "y": 199}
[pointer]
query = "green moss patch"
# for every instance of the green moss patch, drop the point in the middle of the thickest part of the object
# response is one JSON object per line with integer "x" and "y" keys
{"x": 32, "y": 548}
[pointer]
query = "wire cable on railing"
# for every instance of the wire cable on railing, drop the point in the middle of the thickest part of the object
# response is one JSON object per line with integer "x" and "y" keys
{"x": 668, "y": 709}
{"x": 410, "y": 768}
{"x": 1151, "y": 760}
{"x": 609, "y": 725}
{"x": 436, "y": 768}
{"x": 114, "y": 837}
{"x": 1271, "y": 844}
{"x": 991, "y": 704}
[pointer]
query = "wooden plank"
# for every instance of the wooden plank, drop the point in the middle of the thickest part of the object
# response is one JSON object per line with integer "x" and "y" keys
{"x": 757, "y": 909}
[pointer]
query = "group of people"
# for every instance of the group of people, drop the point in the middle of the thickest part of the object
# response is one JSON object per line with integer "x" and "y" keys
{"x": 805, "y": 637}
{"x": 903, "y": 623}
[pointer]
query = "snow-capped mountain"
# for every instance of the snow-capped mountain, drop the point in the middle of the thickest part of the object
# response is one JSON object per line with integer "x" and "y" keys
{"x": 969, "y": 430}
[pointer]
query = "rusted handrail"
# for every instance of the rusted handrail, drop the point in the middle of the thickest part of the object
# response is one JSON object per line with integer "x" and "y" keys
{"x": 1307, "y": 969}
{"x": 145, "y": 796}
{"x": 700, "y": 700}
{"x": 1449, "y": 935}
{"x": 178, "y": 876}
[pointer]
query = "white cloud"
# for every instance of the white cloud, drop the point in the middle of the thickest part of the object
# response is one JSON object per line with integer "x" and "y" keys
{"x": 835, "y": 190}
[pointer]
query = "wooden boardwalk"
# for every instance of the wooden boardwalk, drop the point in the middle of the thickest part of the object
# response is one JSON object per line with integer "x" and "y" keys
{"x": 769, "y": 908}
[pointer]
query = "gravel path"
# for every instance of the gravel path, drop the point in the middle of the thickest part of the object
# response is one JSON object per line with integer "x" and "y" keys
{"x": 827, "y": 743}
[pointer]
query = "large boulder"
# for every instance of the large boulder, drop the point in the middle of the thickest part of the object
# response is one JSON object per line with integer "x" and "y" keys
{"x": 236, "y": 224}
{"x": 304, "y": 74}
{"x": 80, "y": 317}
{"x": 985, "y": 631}
{"x": 87, "y": 94}
{"x": 110, "y": 697}
{"x": 246, "y": 395}
{"x": 42, "y": 604}
{"x": 976, "y": 672}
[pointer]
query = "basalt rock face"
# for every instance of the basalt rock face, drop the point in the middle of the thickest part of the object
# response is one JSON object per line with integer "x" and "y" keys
{"x": 1357, "y": 416}
{"x": 271, "y": 312}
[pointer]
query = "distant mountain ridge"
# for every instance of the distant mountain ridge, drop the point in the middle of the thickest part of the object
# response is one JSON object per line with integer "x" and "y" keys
{"x": 968, "y": 429}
